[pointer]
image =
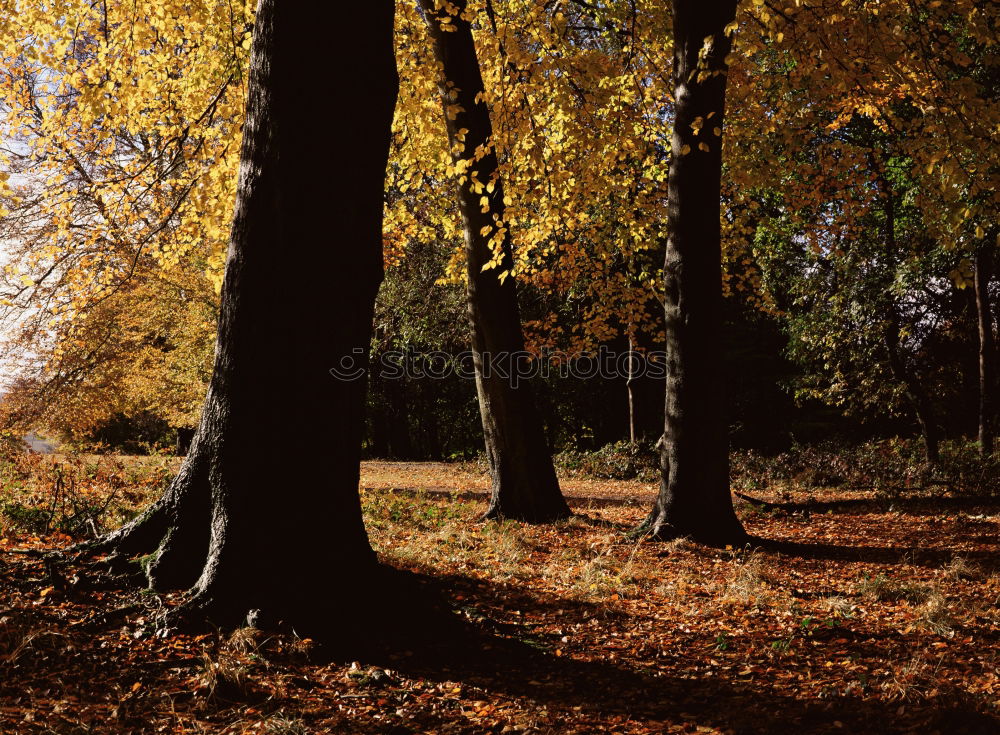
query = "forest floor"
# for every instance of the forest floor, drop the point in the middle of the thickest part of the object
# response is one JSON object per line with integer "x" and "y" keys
{"x": 849, "y": 614}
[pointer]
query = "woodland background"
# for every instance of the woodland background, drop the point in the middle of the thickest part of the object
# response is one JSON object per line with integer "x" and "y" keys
{"x": 860, "y": 203}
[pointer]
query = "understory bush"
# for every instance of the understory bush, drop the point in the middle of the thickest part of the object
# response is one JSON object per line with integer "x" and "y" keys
{"x": 889, "y": 467}
{"x": 618, "y": 461}
{"x": 76, "y": 495}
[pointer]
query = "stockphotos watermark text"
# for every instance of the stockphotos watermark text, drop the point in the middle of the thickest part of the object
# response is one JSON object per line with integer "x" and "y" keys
{"x": 513, "y": 367}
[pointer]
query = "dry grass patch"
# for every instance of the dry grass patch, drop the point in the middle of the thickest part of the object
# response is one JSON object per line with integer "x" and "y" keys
{"x": 679, "y": 588}
{"x": 246, "y": 641}
{"x": 933, "y": 614}
{"x": 960, "y": 569}
{"x": 837, "y": 606}
{"x": 280, "y": 724}
{"x": 909, "y": 679}
{"x": 882, "y": 588}
{"x": 224, "y": 679}
{"x": 507, "y": 547}
{"x": 750, "y": 583}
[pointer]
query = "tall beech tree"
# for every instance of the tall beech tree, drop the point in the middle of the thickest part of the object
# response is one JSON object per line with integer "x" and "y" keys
{"x": 984, "y": 258}
{"x": 523, "y": 477}
{"x": 304, "y": 265}
{"x": 694, "y": 498}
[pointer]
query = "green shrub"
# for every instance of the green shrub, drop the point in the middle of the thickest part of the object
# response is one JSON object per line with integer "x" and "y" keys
{"x": 890, "y": 467}
{"x": 618, "y": 461}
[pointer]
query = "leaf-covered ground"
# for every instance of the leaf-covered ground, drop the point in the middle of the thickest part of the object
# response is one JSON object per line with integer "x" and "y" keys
{"x": 852, "y": 614}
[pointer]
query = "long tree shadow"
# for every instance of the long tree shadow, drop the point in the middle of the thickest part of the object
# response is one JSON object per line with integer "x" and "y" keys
{"x": 440, "y": 646}
{"x": 921, "y": 557}
{"x": 913, "y": 505}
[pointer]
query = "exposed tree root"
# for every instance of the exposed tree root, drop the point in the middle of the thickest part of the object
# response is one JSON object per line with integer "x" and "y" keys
{"x": 179, "y": 559}
{"x": 172, "y": 532}
{"x": 140, "y": 536}
{"x": 658, "y": 527}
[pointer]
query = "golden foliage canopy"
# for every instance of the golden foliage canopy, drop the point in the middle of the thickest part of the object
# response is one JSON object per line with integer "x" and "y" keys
{"x": 120, "y": 134}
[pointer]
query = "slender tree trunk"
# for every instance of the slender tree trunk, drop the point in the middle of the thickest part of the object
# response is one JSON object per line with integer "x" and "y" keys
{"x": 987, "y": 349}
{"x": 630, "y": 388}
{"x": 251, "y": 522}
{"x": 694, "y": 498}
{"x": 524, "y": 480}
{"x": 183, "y": 441}
{"x": 919, "y": 399}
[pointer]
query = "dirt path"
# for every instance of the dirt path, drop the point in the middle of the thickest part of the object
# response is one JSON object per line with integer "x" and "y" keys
{"x": 39, "y": 445}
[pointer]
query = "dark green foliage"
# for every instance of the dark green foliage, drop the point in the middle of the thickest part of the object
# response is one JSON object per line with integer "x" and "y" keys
{"x": 421, "y": 325}
{"x": 759, "y": 408}
{"x": 25, "y": 518}
{"x": 891, "y": 467}
{"x": 142, "y": 433}
{"x": 618, "y": 461}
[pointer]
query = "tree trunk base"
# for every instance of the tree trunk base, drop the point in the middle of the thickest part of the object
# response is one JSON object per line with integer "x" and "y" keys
{"x": 658, "y": 526}
{"x": 365, "y": 620}
{"x": 525, "y": 490}
{"x": 179, "y": 559}
{"x": 532, "y": 515}
{"x": 172, "y": 534}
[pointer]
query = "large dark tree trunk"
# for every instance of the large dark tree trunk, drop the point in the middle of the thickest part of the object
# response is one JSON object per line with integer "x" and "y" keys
{"x": 524, "y": 480}
{"x": 987, "y": 348}
{"x": 251, "y": 522}
{"x": 694, "y": 498}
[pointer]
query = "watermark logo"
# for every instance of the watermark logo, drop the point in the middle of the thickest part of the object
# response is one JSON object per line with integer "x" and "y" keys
{"x": 512, "y": 367}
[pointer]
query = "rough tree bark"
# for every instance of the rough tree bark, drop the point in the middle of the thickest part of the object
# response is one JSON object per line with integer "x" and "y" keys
{"x": 987, "y": 348}
{"x": 249, "y": 523}
{"x": 523, "y": 477}
{"x": 694, "y": 498}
